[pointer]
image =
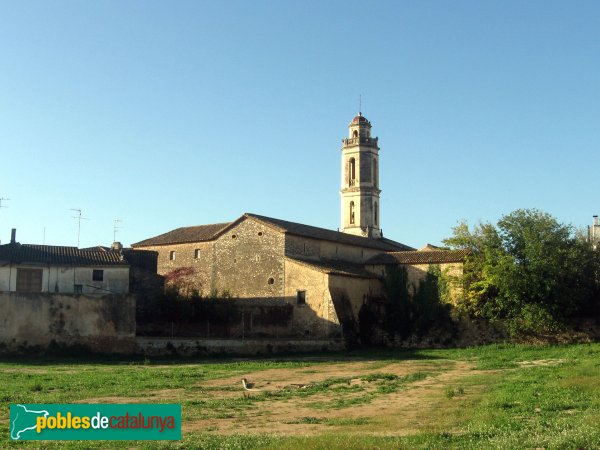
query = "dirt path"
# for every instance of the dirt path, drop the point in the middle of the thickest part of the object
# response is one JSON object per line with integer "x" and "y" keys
{"x": 367, "y": 411}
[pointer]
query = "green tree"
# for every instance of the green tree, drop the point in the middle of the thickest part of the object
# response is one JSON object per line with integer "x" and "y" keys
{"x": 529, "y": 269}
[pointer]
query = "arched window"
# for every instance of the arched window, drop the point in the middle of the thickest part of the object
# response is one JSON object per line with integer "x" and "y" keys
{"x": 351, "y": 212}
{"x": 375, "y": 172}
{"x": 352, "y": 171}
{"x": 355, "y": 134}
{"x": 375, "y": 213}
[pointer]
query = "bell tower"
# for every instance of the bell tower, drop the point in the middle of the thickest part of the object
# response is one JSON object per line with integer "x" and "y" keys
{"x": 360, "y": 180}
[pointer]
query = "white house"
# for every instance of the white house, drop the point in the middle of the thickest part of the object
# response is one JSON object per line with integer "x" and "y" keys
{"x": 69, "y": 270}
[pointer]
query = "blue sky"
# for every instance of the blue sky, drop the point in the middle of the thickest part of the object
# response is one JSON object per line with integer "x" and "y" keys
{"x": 169, "y": 114}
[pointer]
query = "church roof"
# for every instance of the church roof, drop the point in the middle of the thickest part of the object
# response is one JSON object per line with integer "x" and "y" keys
{"x": 419, "y": 257}
{"x": 336, "y": 268}
{"x": 184, "y": 235}
{"x": 210, "y": 232}
{"x": 58, "y": 255}
{"x": 309, "y": 231}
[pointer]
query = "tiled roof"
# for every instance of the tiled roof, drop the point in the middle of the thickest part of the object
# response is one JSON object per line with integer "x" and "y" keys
{"x": 51, "y": 254}
{"x": 330, "y": 235}
{"x": 184, "y": 235}
{"x": 420, "y": 257}
{"x": 336, "y": 268}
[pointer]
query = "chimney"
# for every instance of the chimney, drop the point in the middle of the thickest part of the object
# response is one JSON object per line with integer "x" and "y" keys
{"x": 595, "y": 221}
{"x": 13, "y": 235}
{"x": 117, "y": 246}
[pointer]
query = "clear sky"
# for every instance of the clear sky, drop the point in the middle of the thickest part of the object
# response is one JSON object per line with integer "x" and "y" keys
{"x": 169, "y": 114}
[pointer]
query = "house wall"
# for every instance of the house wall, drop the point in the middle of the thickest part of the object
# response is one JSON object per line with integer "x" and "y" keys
{"x": 101, "y": 323}
{"x": 317, "y": 317}
{"x": 64, "y": 278}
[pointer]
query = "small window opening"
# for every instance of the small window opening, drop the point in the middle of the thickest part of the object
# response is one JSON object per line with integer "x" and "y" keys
{"x": 79, "y": 288}
{"x": 375, "y": 173}
{"x": 98, "y": 275}
{"x": 172, "y": 255}
{"x": 375, "y": 213}
{"x": 233, "y": 236}
{"x": 197, "y": 253}
{"x": 355, "y": 134}
{"x": 351, "y": 212}
{"x": 271, "y": 281}
{"x": 301, "y": 297}
{"x": 352, "y": 171}
{"x": 260, "y": 233}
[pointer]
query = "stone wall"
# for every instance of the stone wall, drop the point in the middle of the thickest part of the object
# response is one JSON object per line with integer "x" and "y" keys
{"x": 316, "y": 249}
{"x": 317, "y": 316}
{"x": 198, "y": 265}
{"x": 104, "y": 324}
{"x": 249, "y": 261}
{"x": 202, "y": 347}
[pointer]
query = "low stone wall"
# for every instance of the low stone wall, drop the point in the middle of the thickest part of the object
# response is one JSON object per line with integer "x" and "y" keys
{"x": 34, "y": 321}
{"x": 198, "y": 347}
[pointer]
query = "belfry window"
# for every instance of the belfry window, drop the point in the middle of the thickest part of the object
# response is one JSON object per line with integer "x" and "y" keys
{"x": 352, "y": 171}
{"x": 375, "y": 213}
{"x": 351, "y": 212}
{"x": 355, "y": 134}
{"x": 375, "y": 172}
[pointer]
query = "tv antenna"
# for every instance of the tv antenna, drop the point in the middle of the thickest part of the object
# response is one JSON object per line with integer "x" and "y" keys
{"x": 2, "y": 199}
{"x": 79, "y": 219}
{"x": 116, "y": 227}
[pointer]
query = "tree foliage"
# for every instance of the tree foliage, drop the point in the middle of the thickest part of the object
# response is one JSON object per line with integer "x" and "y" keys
{"x": 529, "y": 270}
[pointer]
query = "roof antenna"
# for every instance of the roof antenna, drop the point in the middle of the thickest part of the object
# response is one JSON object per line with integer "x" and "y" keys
{"x": 77, "y": 210}
{"x": 116, "y": 227}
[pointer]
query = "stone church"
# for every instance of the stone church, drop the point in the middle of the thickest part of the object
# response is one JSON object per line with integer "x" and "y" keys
{"x": 325, "y": 275}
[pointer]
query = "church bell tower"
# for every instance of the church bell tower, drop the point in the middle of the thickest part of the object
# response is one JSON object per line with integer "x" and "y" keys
{"x": 360, "y": 181}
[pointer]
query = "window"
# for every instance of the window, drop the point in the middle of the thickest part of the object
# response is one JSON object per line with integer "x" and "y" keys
{"x": 375, "y": 213}
{"x": 29, "y": 280}
{"x": 352, "y": 171}
{"x": 301, "y": 297}
{"x": 79, "y": 289}
{"x": 197, "y": 253}
{"x": 355, "y": 134}
{"x": 98, "y": 275}
{"x": 260, "y": 233}
{"x": 271, "y": 281}
{"x": 351, "y": 212}
{"x": 233, "y": 236}
{"x": 172, "y": 255}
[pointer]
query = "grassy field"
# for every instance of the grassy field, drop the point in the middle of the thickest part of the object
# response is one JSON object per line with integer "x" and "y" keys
{"x": 485, "y": 397}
